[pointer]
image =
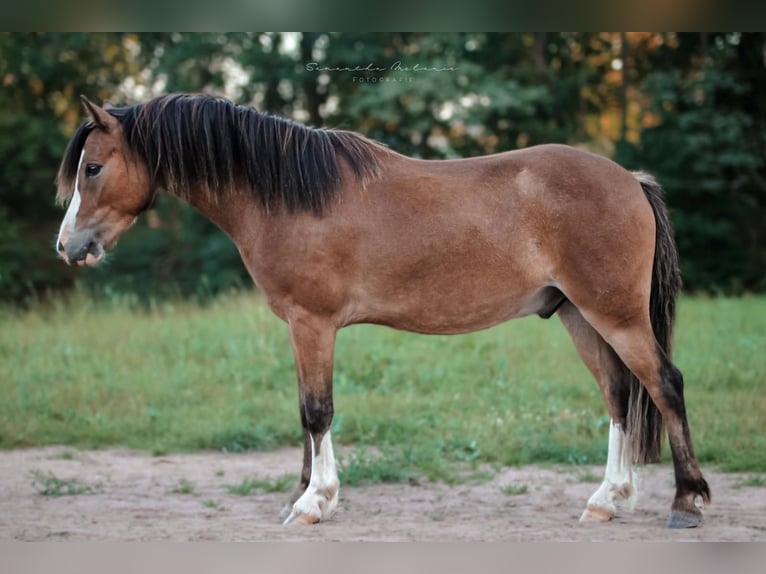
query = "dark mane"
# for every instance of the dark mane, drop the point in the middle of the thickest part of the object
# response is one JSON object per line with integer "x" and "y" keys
{"x": 198, "y": 142}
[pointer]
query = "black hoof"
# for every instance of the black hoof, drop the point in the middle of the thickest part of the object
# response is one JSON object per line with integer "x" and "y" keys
{"x": 683, "y": 520}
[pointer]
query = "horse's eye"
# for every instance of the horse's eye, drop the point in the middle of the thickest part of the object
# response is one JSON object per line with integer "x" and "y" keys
{"x": 92, "y": 169}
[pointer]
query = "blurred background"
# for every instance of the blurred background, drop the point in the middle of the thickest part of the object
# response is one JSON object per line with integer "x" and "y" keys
{"x": 689, "y": 108}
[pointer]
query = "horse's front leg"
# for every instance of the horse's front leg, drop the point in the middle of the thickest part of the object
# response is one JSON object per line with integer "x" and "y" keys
{"x": 313, "y": 342}
{"x": 305, "y": 471}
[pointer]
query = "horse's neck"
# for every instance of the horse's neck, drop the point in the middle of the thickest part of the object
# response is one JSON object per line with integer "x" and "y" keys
{"x": 236, "y": 212}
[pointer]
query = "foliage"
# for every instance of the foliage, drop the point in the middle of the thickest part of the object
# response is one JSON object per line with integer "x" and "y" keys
{"x": 12, "y": 258}
{"x": 687, "y": 107}
{"x": 708, "y": 151}
{"x": 699, "y": 146}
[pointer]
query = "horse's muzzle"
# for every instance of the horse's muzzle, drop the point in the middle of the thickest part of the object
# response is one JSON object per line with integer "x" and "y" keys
{"x": 81, "y": 249}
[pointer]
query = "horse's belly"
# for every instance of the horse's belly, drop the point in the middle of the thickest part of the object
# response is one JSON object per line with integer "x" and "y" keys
{"x": 449, "y": 311}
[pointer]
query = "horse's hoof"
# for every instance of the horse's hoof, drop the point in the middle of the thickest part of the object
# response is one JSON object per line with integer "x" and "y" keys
{"x": 683, "y": 520}
{"x": 299, "y": 517}
{"x": 596, "y": 514}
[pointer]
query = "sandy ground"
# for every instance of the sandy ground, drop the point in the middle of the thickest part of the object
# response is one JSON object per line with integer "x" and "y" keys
{"x": 135, "y": 500}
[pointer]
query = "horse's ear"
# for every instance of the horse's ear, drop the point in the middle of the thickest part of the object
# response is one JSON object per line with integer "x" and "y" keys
{"x": 100, "y": 116}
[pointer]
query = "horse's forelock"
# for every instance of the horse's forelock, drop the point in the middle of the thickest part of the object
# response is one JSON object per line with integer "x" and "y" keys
{"x": 67, "y": 172}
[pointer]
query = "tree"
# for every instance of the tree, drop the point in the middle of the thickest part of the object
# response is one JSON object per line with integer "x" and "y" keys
{"x": 707, "y": 148}
{"x": 687, "y": 107}
{"x": 41, "y": 77}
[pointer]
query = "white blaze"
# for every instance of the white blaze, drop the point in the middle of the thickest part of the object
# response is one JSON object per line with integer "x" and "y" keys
{"x": 67, "y": 226}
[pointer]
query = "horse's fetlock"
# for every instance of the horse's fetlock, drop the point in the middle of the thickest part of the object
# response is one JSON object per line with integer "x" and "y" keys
{"x": 317, "y": 414}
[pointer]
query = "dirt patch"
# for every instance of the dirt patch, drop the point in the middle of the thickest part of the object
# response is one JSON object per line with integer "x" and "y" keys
{"x": 139, "y": 497}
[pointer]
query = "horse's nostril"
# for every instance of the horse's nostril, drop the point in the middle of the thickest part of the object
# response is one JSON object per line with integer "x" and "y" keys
{"x": 60, "y": 246}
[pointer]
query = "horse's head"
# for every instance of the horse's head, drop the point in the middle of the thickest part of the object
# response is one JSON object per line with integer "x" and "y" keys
{"x": 108, "y": 186}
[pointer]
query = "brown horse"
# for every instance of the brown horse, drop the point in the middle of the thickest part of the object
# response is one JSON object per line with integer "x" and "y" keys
{"x": 336, "y": 229}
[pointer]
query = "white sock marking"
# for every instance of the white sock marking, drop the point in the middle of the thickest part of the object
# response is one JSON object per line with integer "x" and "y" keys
{"x": 321, "y": 495}
{"x": 323, "y": 465}
{"x": 618, "y": 476}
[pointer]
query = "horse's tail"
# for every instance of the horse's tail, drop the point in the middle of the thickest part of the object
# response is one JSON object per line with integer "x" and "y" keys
{"x": 644, "y": 421}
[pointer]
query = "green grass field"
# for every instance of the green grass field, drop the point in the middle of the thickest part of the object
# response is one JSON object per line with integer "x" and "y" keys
{"x": 181, "y": 377}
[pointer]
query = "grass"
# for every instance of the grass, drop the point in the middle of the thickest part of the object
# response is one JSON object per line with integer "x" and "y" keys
{"x": 184, "y": 487}
{"x": 50, "y": 485}
{"x": 363, "y": 468}
{"x": 184, "y": 377}
{"x": 589, "y": 476}
{"x": 66, "y": 455}
{"x": 755, "y": 480}
{"x": 213, "y": 505}
{"x": 282, "y": 483}
{"x": 514, "y": 489}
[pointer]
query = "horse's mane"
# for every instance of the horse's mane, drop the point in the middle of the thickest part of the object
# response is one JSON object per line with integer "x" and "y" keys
{"x": 198, "y": 142}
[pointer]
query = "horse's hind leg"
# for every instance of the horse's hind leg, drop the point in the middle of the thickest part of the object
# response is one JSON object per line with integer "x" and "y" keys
{"x": 632, "y": 338}
{"x": 612, "y": 377}
{"x": 313, "y": 342}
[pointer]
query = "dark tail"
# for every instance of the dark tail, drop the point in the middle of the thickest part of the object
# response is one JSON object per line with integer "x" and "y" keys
{"x": 644, "y": 422}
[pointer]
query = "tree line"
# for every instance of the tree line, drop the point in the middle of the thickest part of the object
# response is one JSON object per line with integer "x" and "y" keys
{"x": 687, "y": 107}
